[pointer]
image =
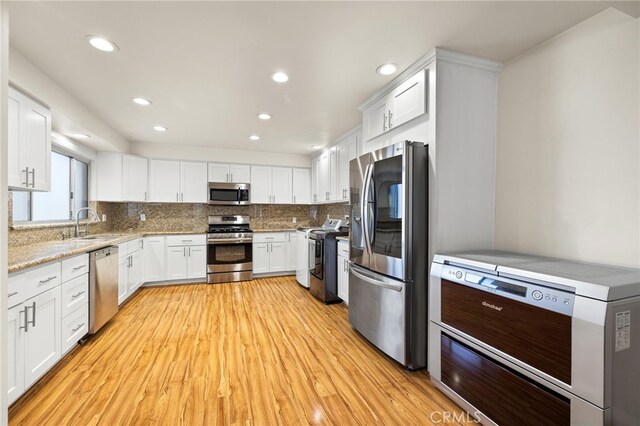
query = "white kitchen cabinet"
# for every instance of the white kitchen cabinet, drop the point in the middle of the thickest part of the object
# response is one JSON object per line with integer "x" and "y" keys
{"x": 42, "y": 336}
{"x": 408, "y": 100}
{"x": 290, "y": 251}
{"x": 277, "y": 257}
{"x": 343, "y": 271}
{"x": 270, "y": 252}
{"x": 135, "y": 272}
{"x": 260, "y": 258}
{"x": 15, "y": 353}
{"x": 327, "y": 179}
{"x": 29, "y": 143}
{"x": 236, "y": 173}
{"x": 347, "y": 151}
{"x": 197, "y": 262}
{"x": 375, "y": 120}
{"x": 281, "y": 184}
{"x": 301, "y": 186}
{"x": 74, "y": 327}
{"x": 186, "y": 258}
{"x": 134, "y": 178}
{"x": 130, "y": 268}
{"x": 164, "y": 181}
{"x": 154, "y": 265}
{"x": 315, "y": 176}
{"x": 176, "y": 263}
{"x": 193, "y": 182}
{"x": 121, "y": 177}
{"x": 271, "y": 185}
{"x": 123, "y": 278}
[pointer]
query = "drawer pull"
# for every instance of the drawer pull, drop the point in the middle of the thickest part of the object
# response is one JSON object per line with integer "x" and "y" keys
{"x": 48, "y": 279}
{"x": 186, "y": 241}
{"x": 73, "y": 296}
{"x": 13, "y": 293}
{"x": 77, "y": 328}
{"x": 79, "y": 267}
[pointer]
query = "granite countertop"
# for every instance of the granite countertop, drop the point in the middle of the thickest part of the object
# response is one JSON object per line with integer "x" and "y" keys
{"x": 22, "y": 257}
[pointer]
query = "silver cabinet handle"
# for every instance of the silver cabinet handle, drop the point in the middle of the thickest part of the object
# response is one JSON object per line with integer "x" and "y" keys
{"x": 231, "y": 180}
{"x": 189, "y": 251}
{"x": 274, "y": 198}
{"x": 145, "y": 195}
{"x": 33, "y": 318}
{"x": 33, "y": 178}
{"x": 26, "y": 177}
{"x": 186, "y": 241}
{"x": 130, "y": 261}
{"x": 228, "y": 177}
{"x": 177, "y": 196}
{"x": 73, "y": 330}
{"x": 13, "y": 293}
{"x": 384, "y": 122}
{"x": 268, "y": 238}
{"x": 184, "y": 251}
{"x": 182, "y": 196}
{"x": 294, "y": 199}
{"x": 73, "y": 296}
{"x": 26, "y": 322}
{"x": 390, "y": 115}
{"x": 48, "y": 279}
{"x": 79, "y": 267}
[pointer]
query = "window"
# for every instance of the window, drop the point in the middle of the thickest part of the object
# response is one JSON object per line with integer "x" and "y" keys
{"x": 69, "y": 192}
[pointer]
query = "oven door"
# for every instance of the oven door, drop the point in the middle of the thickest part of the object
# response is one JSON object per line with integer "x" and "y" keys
{"x": 228, "y": 194}
{"x": 229, "y": 255}
{"x": 316, "y": 258}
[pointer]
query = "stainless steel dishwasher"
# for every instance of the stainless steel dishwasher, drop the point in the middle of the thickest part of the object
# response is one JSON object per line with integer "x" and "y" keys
{"x": 103, "y": 287}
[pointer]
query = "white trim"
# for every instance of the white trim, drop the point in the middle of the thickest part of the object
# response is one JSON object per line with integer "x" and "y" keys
{"x": 439, "y": 54}
{"x": 348, "y": 134}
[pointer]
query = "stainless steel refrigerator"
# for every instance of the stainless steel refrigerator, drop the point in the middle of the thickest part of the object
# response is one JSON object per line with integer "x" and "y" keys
{"x": 388, "y": 268}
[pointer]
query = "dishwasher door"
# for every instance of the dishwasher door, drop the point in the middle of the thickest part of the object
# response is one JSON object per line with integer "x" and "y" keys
{"x": 103, "y": 287}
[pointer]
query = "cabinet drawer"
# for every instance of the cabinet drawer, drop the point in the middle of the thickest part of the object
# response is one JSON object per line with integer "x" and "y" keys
{"x": 269, "y": 237}
{"x": 75, "y": 293}
{"x": 123, "y": 249}
{"x": 134, "y": 245}
{"x": 343, "y": 249}
{"x": 74, "y": 327}
{"x": 74, "y": 267}
{"x": 186, "y": 240}
{"x": 25, "y": 285}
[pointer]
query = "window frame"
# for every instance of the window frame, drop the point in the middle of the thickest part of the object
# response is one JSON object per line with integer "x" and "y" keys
{"x": 72, "y": 194}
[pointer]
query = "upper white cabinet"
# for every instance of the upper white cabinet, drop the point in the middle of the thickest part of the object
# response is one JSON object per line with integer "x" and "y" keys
{"x": 301, "y": 186}
{"x": 271, "y": 185}
{"x": 236, "y": 173}
{"x": 177, "y": 181}
{"x": 330, "y": 169}
{"x": 404, "y": 103}
{"x": 327, "y": 179}
{"x": 29, "y": 143}
{"x": 347, "y": 150}
{"x": 121, "y": 177}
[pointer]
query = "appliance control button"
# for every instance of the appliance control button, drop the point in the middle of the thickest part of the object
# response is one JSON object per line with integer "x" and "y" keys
{"x": 566, "y": 301}
{"x": 458, "y": 275}
{"x": 537, "y": 295}
{"x": 547, "y": 297}
{"x": 555, "y": 299}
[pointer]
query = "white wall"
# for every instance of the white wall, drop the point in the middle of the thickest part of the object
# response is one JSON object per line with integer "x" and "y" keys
{"x": 568, "y": 149}
{"x": 203, "y": 153}
{"x": 68, "y": 114}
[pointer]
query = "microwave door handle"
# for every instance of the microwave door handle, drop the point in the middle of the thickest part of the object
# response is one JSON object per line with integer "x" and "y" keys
{"x": 371, "y": 280}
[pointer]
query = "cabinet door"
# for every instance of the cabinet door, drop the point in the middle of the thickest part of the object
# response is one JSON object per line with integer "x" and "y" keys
{"x": 281, "y": 189}
{"x": 343, "y": 279}
{"x": 176, "y": 263}
{"x": 315, "y": 177}
{"x": 291, "y": 251}
{"x": 261, "y": 258}
{"x": 123, "y": 279}
{"x": 218, "y": 172}
{"x": 135, "y": 273}
{"x": 342, "y": 171}
{"x": 42, "y": 339}
{"x": 301, "y": 186}
{"x": 134, "y": 178}
{"x": 154, "y": 259}
{"x": 36, "y": 145}
{"x": 408, "y": 100}
{"x": 276, "y": 257}
{"x": 239, "y": 173}
{"x": 164, "y": 181}
{"x": 15, "y": 353}
{"x": 197, "y": 262}
{"x": 323, "y": 178}
{"x": 333, "y": 176}
{"x": 16, "y": 170}
{"x": 374, "y": 120}
{"x": 193, "y": 182}
{"x": 260, "y": 185}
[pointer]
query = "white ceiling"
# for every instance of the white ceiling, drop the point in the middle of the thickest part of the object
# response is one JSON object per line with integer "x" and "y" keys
{"x": 206, "y": 65}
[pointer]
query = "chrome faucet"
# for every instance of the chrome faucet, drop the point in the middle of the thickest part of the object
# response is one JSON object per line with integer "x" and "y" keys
{"x": 89, "y": 210}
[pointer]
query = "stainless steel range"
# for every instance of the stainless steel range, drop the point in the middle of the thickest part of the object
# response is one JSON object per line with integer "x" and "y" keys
{"x": 229, "y": 249}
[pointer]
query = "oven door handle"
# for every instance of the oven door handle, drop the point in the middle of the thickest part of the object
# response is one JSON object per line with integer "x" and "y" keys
{"x": 229, "y": 241}
{"x": 380, "y": 283}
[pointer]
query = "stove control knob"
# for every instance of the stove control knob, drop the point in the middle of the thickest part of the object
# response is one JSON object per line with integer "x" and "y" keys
{"x": 459, "y": 275}
{"x": 537, "y": 295}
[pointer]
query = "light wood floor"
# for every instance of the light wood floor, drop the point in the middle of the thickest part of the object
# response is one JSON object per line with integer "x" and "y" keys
{"x": 262, "y": 352}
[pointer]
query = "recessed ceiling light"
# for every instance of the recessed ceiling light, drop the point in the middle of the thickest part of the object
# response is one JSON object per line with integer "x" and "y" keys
{"x": 103, "y": 44}
{"x": 316, "y": 147}
{"x": 387, "y": 69}
{"x": 264, "y": 116}
{"x": 279, "y": 77}
{"x": 80, "y": 136}
{"x": 141, "y": 101}
{"x": 159, "y": 128}
{"x": 254, "y": 137}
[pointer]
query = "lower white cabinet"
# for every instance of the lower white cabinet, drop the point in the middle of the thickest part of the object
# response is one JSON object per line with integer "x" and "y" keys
{"x": 186, "y": 262}
{"x": 130, "y": 268}
{"x": 15, "y": 353}
{"x": 197, "y": 262}
{"x": 74, "y": 327}
{"x": 274, "y": 252}
{"x": 154, "y": 265}
{"x": 290, "y": 255}
{"x": 343, "y": 271}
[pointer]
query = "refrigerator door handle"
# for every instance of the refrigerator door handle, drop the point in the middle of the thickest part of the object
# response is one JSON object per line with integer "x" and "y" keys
{"x": 380, "y": 283}
{"x": 365, "y": 206}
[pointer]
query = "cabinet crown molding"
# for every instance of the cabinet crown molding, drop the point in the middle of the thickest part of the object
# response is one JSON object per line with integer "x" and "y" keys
{"x": 439, "y": 54}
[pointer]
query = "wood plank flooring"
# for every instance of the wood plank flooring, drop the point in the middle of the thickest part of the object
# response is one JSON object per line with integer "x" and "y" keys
{"x": 262, "y": 352}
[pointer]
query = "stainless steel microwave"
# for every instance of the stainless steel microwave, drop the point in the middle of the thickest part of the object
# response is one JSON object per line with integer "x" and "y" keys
{"x": 229, "y": 194}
